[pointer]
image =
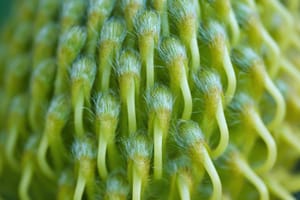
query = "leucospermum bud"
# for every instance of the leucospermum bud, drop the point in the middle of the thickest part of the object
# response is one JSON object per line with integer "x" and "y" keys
{"x": 249, "y": 21}
{"x": 237, "y": 164}
{"x": 214, "y": 35}
{"x": 98, "y": 12}
{"x": 244, "y": 107}
{"x": 116, "y": 187}
{"x": 160, "y": 105}
{"x": 45, "y": 43}
{"x": 73, "y": 12}
{"x": 16, "y": 126}
{"x": 248, "y": 18}
{"x": 84, "y": 153}
{"x": 147, "y": 25}
{"x": 128, "y": 71}
{"x": 181, "y": 175}
{"x": 130, "y": 9}
{"x": 190, "y": 137}
{"x": 83, "y": 149}
{"x": 27, "y": 10}
{"x": 82, "y": 77}
{"x": 280, "y": 9}
{"x": 113, "y": 31}
{"x": 40, "y": 89}
{"x": 28, "y": 166}
{"x": 249, "y": 62}
{"x": 107, "y": 107}
{"x": 161, "y": 7}
{"x": 185, "y": 16}
{"x": 107, "y": 116}
{"x": 47, "y": 11}
{"x": 16, "y": 75}
{"x": 284, "y": 41}
{"x": 65, "y": 183}
{"x": 56, "y": 118}
{"x": 139, "y": 154}
{"x": 174, "y": 55}
{"x": 70, "y": 45}
{"x": 22, "y": 37}
{"x": 224, "y": 12}
{"x": 209, "y": 84}
{"x": 112, "y": 35}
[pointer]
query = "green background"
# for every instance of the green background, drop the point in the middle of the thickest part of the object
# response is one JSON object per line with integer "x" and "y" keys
{"x": 5, "y": 8}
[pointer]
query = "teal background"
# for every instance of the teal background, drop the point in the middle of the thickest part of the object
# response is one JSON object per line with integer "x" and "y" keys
{"x": 5, "y": 8}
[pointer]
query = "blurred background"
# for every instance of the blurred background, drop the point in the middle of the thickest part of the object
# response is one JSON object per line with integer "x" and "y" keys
{"x": 5, "y": 8}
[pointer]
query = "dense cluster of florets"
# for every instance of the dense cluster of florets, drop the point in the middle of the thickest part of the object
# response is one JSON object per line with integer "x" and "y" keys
{"x": 156, "y": 99}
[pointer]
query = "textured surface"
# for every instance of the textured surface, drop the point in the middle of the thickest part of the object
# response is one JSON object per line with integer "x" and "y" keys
{"x": 160, "y": 99}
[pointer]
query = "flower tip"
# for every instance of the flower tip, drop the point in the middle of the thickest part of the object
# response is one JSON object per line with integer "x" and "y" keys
{"x": 160, "y": 98}
{"x": 83, "y": 148}
{"x": 147, "y": 23}
{"x": 170, "y": 49}
{"x": 188, "y": 133}
{"x": 113, "y": 30}
{"x": 107, "y": 104}
{"x": 129, "y": 63}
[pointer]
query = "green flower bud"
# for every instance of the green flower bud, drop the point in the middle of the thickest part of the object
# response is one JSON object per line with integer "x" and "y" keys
{"x": 45, "y": 43}
{"x": 70, "y": 45}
